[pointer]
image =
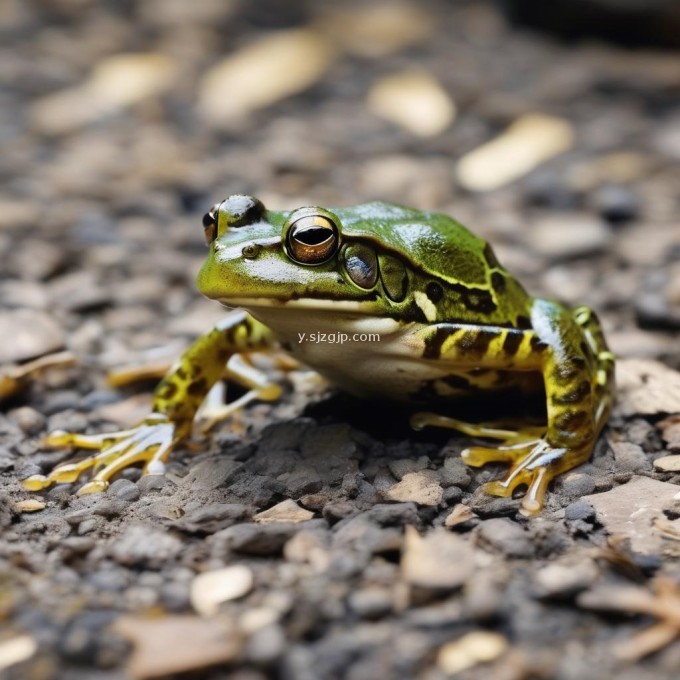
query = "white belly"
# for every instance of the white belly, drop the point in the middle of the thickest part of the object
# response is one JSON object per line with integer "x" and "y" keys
{"x": 389, "y": 366}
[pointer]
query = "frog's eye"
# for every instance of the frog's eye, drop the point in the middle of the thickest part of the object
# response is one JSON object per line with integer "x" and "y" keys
{"x": 210, "y": 224}
{"x": 312, "y": 238}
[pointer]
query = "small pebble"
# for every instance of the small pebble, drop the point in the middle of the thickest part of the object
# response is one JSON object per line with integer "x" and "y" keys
{"x": 505, "y": 536}
{"x": 28, "y": 419}
{"x": 211, "y": 588}
{"x": 668, "y": 463}
{"x": 470, "y": 650}
{"x": 617, "y": 204}
{"x": 125, "y": 490}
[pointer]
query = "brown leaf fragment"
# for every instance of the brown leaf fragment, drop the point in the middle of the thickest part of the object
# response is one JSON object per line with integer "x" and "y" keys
{"x": 645, "y": 386}
{"x": 670, "y": 431}
{"x": 662, "y": 602}
{"x": 177, "y": 644}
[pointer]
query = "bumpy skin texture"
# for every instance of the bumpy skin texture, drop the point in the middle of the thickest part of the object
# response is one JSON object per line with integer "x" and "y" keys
{"x": 452, "y": 320}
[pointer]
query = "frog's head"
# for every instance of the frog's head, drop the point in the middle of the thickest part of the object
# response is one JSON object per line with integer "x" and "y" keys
{"x": 301, "y": 259}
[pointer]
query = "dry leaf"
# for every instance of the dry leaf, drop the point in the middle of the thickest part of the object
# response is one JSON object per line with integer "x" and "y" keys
{"x": 275, "y": 67}
{"x": 528, "y": 142}
{"x": 116, "y": 83}
{"x": 177, "y": 644}
{"x": 646, "y": 387}
{"x": 413, "y": 100}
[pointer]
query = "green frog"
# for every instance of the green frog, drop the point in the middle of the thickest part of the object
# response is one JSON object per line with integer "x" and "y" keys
{"x": 451, "y": 321}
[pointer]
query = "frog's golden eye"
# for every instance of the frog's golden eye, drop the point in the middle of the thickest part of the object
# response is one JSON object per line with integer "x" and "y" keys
{"x": 210, "y": 224}
{"x": 312, "y": 238}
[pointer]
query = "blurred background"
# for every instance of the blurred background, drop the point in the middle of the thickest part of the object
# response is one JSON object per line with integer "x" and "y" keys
{"x": 552, "y": 129}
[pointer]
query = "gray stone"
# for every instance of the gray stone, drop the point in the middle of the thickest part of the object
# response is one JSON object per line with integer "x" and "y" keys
{"x": 211, "y": 473}
{"x": 144, "y": 545}
{"x": 505, "y": 536}
{"x": 454, "y": 472}
{"x": 630, "y": 457}
{"x": 371, "y": 602}
{"x": 125, "y": 490}
{"x": 261, "y": 539}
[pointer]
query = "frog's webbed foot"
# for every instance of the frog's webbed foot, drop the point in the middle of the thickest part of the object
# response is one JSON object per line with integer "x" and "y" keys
{"x": 533, "y": 463}
{"x": 149, "y": 442}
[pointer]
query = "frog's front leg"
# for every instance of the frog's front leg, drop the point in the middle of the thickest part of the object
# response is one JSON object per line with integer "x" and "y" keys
{"x": 569, "y": 350}
{"x": 176, "y": 401}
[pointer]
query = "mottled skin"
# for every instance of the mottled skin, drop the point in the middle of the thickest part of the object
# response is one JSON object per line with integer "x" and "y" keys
{"x": 453, "y": 322}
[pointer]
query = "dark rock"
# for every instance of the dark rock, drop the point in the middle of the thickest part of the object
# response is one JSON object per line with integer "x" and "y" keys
{"x": 617, "y": 204}
{"x": 579, "y": 510}
{"x": 261, "y": 539}
{"x": 214, "y": 517}
{"x": 211, "y": 473}
{"x": 303, "y": 480}
{"x": 505, "y": 536}
{"x": 144, "y": 545}
{"x": 454, "y": 472}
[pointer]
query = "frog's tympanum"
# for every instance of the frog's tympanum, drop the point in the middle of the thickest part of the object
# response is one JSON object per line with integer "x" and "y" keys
{"x": 452, "y": 323}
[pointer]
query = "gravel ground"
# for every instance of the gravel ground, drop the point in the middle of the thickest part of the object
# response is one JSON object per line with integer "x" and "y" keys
{"x": 313, "y": 538}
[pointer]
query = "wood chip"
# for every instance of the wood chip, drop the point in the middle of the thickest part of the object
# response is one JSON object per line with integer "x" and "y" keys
{"x": 115, "y": 84}
{"x": 413, "y": 100}
{"x": 437, "y": 560}
{"x": 528, "y": 142}
{"x": 29, "y": 505}
{"x": 17, "y": 649}
{"x": 285, "y": 511}
{"x": 261, "y": 74}
{"x": 460, "y": 514}
{"x": 210, "y": 589}
{"x": 377, "y": 29}
{"x": 470, "y": 650}
{"x": 646, "y": 387}
{"x": 177, "y": 644}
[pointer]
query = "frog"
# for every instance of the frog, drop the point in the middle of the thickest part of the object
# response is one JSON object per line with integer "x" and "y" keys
{"x": 452, "y": 323}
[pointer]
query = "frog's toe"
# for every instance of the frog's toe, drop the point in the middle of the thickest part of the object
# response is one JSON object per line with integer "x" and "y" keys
{"x": 149, "y": 443}
{"x": 530, "y": 467}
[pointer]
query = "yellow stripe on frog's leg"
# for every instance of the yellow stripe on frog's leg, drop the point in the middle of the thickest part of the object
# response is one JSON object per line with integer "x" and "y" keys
{"x": 175, "y": 403}
{"x": 577, "y": 369}
{"x": 181, "y": 392}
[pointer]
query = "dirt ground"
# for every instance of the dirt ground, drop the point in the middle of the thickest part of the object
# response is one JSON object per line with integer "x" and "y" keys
{"x": 313, "y": 538}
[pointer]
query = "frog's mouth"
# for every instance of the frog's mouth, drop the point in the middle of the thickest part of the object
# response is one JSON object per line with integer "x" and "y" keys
{"x": 360, "y": 307}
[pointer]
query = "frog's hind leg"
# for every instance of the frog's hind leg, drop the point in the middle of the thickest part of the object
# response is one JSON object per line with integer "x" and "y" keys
{"x": 578, "y": 371}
